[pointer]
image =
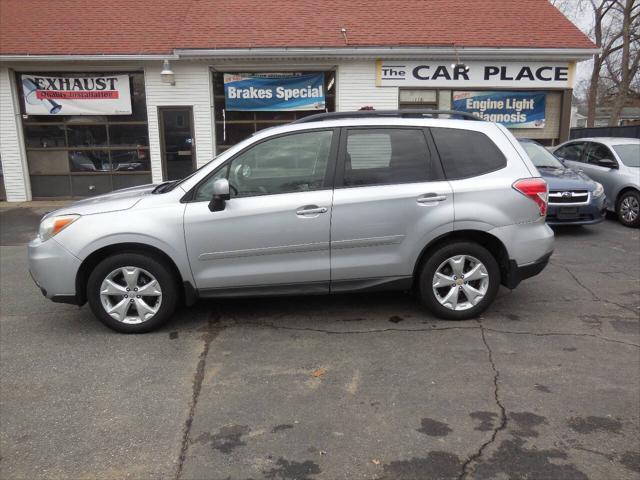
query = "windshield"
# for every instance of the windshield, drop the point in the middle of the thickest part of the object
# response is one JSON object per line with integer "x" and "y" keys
{"x": 629, "y": 154}
{"x": 540, "y": 156}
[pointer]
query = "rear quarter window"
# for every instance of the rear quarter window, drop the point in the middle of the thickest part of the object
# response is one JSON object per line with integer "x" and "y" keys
{"x": 466, "y": 153}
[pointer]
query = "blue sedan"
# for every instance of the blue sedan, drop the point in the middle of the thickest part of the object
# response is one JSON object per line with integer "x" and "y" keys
{"x": 574, "y": 199}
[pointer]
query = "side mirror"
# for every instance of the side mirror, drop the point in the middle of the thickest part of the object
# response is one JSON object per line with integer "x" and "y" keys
{"x": 221, "y": 194}
{"x": 608, "y": 163}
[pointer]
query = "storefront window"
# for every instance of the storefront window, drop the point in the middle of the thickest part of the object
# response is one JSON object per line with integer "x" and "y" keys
{"x": 84, "y": 155}
{"x": 86, "y": 135}
{"x": 45, "y": 136}
{"x": 418, "y": 98}
{"x": 124, "y": 134}
{"x": 234, "y": 126}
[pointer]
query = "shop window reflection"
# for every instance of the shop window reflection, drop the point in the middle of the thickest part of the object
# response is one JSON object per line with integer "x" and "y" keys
{"x": 89, "y": 161}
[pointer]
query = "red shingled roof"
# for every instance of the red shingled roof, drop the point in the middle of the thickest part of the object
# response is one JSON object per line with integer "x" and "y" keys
{"x": 80, "y": 27}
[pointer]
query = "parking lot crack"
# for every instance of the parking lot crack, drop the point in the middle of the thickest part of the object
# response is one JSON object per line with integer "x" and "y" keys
{"x": 503, "y": 412}
{"x": 212, "y": 330}
{"x": 562, "y": 334}
{"x": 353, "y": 332}
{"x": 594, "y": 296}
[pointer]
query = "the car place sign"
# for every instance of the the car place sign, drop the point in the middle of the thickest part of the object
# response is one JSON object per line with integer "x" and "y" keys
{"x": 474, "y": 74}
{"x": 76, "y": 95}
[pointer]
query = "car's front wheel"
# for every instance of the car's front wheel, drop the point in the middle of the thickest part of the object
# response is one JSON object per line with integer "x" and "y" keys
{"x": 132, "y": 293}
{"x": 459, "y": 281}
{"x": 628, "y": 209}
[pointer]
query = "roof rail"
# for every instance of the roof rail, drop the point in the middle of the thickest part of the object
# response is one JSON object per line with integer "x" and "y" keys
{"x": 405, "y": 113}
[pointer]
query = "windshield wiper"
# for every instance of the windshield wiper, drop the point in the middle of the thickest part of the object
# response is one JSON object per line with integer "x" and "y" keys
{"x": 164, "y": 187}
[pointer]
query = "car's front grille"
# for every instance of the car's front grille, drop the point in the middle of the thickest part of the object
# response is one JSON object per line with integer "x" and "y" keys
{"x": 563, "y": 197}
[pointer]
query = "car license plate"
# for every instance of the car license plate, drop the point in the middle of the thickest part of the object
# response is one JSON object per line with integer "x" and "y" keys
{"x": 567, "y": 212}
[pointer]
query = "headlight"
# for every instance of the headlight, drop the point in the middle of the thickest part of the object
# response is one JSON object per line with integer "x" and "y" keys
{"x": 599, "y": 190}
{"x": 51, "y": 226}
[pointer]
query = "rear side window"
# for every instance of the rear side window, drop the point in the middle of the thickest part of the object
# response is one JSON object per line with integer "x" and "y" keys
{"x": 465, "y": 153}
{"x": 380, "y": 156}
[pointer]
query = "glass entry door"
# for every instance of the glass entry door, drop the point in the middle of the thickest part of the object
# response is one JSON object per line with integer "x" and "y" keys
{"x": 177, "y": 141}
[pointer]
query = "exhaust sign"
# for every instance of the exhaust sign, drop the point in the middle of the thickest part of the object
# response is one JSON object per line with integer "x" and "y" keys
{"x": 76, "y": 95}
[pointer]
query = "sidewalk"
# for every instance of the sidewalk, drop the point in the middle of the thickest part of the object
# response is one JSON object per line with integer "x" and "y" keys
{"x": 19, "y": 220}
{"x": 36, "y": 204}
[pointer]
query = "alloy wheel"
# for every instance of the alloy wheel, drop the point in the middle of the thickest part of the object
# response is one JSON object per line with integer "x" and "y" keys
{"x": 130, "y": 295}
{"x": 629, "y": 208}
{"x": 460, "y": 282}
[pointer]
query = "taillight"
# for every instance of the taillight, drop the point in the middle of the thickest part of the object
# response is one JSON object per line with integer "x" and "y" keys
{"x": 536, "y": 190}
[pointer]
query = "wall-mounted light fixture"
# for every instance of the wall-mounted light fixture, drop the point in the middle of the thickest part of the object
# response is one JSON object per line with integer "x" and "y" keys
{"x": 458, "y": 63}
{"x": 167, "y": 74}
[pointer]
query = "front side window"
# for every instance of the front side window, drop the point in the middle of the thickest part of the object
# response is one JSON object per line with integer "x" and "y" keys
{"x": 467, "y": 153}
{"x": 596, "y": 152}
{"x": 572, "y": 152}
{"x": 287, "y": 164}
{"x": 380, "y": 156}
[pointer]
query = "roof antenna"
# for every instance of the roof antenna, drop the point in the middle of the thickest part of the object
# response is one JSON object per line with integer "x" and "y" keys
{"x": 344, "y": 34}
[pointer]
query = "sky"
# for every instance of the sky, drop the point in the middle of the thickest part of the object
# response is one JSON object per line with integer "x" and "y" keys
{"x": 580, "y": 14}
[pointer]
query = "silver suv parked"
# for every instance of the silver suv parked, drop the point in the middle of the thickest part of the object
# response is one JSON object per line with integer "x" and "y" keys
{"x": 334, "y": 203}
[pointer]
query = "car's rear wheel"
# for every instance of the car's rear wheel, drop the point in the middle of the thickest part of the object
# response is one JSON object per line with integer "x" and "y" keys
{"x": 628, "y": 209}
{"x": 132, "y": 293}
{"x": 459, "y": 281}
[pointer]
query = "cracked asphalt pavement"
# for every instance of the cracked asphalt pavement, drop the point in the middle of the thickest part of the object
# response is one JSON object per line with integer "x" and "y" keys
{"x": 546, "y": 385}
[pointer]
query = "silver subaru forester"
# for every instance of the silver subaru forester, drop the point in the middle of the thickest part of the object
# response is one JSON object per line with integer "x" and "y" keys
{"x": 337, "y": 202}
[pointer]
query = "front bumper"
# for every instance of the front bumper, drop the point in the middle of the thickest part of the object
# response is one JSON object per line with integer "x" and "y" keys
{"x": 584, "y": 214}
{"x": 53, "y": 269}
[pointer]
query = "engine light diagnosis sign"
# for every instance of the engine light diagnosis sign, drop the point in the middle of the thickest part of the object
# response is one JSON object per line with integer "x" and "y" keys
{"x": 273, "y": 92}
{"x": 512, "y": 109}
{"x": 76, "y": 95}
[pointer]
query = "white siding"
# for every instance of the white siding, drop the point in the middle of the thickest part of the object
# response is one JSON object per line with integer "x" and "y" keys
{"x": 356, "y": 84}
{"x": 16, "y": 176}
{"x": 192, "y": 88}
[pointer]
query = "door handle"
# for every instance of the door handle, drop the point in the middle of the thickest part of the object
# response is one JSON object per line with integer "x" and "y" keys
{"x": 430, "y": 198}
{"x": 311, "y": 210}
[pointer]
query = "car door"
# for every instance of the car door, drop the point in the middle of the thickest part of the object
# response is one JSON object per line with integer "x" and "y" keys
{"x": 571, "y": 154}
{"x": 390, "y": 200}
{"x": 273, "y": 235}
{"x": 607, "y": 176}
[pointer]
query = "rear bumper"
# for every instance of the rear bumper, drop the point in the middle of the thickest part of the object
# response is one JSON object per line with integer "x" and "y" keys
{"x": 516, "y": 273}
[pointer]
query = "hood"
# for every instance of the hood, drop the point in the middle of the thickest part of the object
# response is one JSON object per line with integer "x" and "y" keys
{"x": 566, "y": 179}
{"x": 109, "y": 202}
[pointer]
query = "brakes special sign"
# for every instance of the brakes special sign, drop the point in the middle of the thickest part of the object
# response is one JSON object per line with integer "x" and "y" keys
{"x": 474, "y": 74}
{"x": 273, "y": 92}
{"x": 76, "y": 95}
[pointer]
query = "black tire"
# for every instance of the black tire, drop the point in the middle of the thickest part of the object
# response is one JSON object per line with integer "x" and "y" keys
{"x": 162, "y": 273}
{"x": 631, "y": 195}
{"x": 436, "y": 258}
